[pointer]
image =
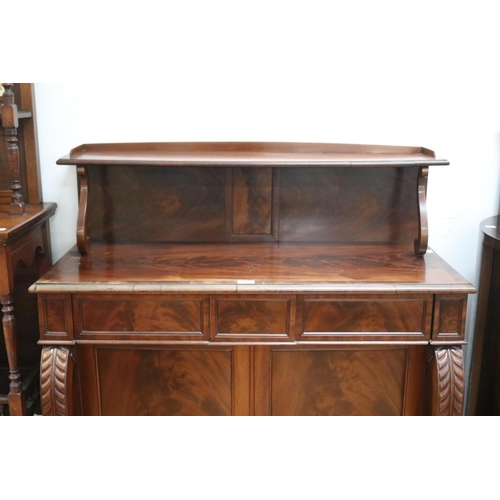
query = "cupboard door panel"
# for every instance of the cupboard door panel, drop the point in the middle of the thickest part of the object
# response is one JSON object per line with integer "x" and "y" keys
{"x": 170, "y": 381}
{"x": 338, "y": 382}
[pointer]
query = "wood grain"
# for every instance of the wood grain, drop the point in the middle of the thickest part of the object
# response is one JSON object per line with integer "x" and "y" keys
{"x": 191, "y": 382}
{"x": 252, "y": 191}
{"x": 366, "y": 317}
{"x": 152, "y": 317}
{"x": 265, "y": 267}
{"x": 344, "y": 382}
{"x": 185, "y": 204}
{"x": 450, "y": 314}
{"x": 361, "y": 205}
{"x": 251, "y": 318}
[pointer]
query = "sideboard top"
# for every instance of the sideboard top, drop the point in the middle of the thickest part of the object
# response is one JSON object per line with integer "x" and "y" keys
{"x": 264, "y": 154}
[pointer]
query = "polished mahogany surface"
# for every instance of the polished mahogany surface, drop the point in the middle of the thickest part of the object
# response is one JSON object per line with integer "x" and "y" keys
{"x": 257, "y": 266}
{"x": 10, "y": 226}
{"x": 199, "y": 204}
{"x": 255, "y": 154}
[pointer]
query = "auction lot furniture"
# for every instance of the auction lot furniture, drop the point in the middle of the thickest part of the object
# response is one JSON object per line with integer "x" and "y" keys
{"x": 24, "y": 250}
{"x": 252, "y": 279}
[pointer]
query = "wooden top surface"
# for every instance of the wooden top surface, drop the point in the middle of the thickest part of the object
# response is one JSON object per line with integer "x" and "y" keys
{"x": 491, "y": 230}
{"x": 270, "y": 154}
{"x": 253, "y": 267}
{"x": 13, "y": 225}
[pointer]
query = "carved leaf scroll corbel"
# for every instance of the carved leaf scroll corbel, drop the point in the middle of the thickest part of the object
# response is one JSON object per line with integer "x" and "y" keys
{"x": 56, "y": 369}
{"x": 450, "y": 380}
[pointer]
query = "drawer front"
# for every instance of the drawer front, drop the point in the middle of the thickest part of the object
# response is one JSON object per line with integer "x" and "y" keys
{"x": 55, "y": 317}
{"x": 449, "y": 321}
{"x": 365, "y": 318}
{"x": 143, "y": 317}
{"x": 237, "y": 318}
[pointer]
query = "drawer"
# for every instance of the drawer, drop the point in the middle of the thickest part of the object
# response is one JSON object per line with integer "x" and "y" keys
{"x": 261, "y": 318}
{"x": 449, "y": 317}
{"x": 354, "y": 317}
{"x": 144, "y": 317}
{"x": 55, "y": 317}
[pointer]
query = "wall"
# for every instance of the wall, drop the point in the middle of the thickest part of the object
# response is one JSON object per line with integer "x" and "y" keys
{"x": 423, "y": 74}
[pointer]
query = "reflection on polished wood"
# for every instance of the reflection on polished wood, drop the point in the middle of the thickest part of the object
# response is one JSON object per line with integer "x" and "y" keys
{"x": 268, "y": 266}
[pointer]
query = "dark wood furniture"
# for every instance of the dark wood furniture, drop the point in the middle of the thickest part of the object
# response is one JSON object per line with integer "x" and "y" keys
{"x": 484, "y": 397}
{"x": 252, "y": 279}
{"x": 24, "y": 250}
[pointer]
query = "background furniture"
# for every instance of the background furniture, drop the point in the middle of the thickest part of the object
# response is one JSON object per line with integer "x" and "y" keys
{"x": 252, "y": 279}
{"x": 484, "y": 398}
{"x": 24, "y": 249}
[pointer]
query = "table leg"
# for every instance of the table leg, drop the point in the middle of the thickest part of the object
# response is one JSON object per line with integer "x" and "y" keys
{"x": 17, "y": 403}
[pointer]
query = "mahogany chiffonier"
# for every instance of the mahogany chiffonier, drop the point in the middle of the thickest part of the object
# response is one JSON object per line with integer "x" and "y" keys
{"x": 25, "y": 252}
{"x": 252, "y": 279}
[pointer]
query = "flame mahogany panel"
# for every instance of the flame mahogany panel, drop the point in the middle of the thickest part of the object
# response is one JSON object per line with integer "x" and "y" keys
{"x": 252, "y": 318}
{"x": 149, "y": 316}
{"x": 450, "y": 312}
{"x": 368, "y": 317}
{"x": 193, "y": 382}
{"x": 252, "y": 201}
{"x": 362, "y": 205}
{"x": 338, "y": 382}
{"x": 128, "y": 204}
{"x": 195, "y": 204}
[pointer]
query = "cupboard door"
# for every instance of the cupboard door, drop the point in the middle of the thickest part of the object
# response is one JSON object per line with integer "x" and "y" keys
{"x": 340, "y": 381}
{"x": 164, "y": 381}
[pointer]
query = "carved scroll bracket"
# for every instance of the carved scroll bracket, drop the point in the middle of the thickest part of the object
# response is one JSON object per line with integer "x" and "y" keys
{"x": 56, "y": 378}
{"x": 448, "y": 376}
{"x": 10, "y": 124}
{"x": 82, "y": 238}
{"x": 420, "y": 246}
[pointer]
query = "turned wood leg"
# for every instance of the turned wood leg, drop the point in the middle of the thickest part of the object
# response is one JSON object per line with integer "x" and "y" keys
{"x": 56, "y": 380}
{"x": 17, "y": 403}
{"x": 447, "y": 381}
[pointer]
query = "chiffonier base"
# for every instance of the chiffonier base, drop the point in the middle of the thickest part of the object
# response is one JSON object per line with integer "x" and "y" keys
{"x": 252, "y": 380}
{"x": 300, "y": 339}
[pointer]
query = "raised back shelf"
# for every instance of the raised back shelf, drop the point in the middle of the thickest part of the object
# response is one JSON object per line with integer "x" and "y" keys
{"x": 252, "y": 192}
